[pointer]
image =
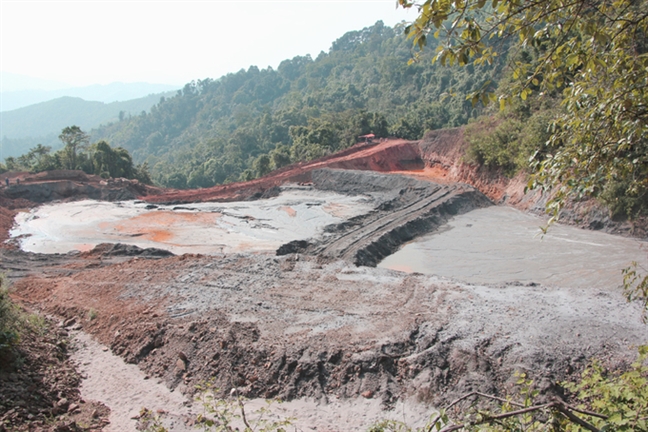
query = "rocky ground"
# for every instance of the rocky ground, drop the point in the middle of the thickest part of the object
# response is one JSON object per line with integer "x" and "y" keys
{"x": 39, "y": 386}
{"x": 309, "y": 322}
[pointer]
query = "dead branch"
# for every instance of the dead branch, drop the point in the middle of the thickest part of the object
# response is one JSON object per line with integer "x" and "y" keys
{"x": 557, "y": 405}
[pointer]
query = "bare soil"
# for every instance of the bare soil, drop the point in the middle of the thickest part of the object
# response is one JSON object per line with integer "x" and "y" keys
{"x": 309, "y": 322}
{"x": 39, "y": 386}
{"x": 293, "y": 327}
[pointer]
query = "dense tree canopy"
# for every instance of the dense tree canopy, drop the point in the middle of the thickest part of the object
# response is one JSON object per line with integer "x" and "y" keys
{"x": 77, "y": 154}
{"x": 216, "y": 131}
{"x": 592, "y": 52}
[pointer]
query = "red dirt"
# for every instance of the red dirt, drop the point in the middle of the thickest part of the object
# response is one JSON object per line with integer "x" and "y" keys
{"x": 437, "y": 157}
{"x": 388, "y": 156}
{"x": 187, "y": 318}
{"x": 6, "y": 222}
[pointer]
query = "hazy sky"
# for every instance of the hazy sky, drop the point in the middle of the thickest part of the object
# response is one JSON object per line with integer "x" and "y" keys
{"x": 97, "y": 42}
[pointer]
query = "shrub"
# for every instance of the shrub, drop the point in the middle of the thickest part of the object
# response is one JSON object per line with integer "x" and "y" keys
{"x": 9, "y": 321}
{"x": 222, "y": 415}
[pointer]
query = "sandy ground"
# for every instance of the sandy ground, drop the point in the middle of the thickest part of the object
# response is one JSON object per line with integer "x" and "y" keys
{"x": 123, "y": 387}
{"x": 126, "y": 390}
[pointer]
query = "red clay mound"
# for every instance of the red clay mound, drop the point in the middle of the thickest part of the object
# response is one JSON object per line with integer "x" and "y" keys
{"x": 6, "y": 222}
{"x": 387, "y": 156}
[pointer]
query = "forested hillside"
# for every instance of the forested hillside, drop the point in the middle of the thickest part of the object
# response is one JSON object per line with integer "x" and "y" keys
{"x": 243, "y": 125}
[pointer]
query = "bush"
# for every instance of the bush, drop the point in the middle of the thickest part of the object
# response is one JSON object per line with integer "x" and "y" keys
{"x": 222, "y": 415}
{"x": 603, "y": 401}
{"x": 9, "y": 320}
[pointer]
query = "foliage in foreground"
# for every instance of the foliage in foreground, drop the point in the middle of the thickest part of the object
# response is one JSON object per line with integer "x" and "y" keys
{"x": 223, "y": 415}
{"x": 593, "y": 52}
{"x": 604, "y": 401}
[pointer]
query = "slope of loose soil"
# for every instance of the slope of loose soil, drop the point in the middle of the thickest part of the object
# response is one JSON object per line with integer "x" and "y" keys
{"x": 407, "y": 209}
{"x": 39, "y": 387}
{"x": 312, "y": 324}
{"x": 293, "y": 327}
{"x": 442, "y": 152}
{"x": 390, "y": 155}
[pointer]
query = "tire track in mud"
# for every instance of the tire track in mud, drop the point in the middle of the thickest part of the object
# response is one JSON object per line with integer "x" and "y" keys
{"x": 348, "y": 244}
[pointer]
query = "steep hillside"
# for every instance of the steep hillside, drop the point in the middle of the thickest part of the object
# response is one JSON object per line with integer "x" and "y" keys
{"x": 242, "y": 125}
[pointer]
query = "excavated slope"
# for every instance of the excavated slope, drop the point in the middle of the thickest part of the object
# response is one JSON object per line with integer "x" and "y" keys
{"x": 318, "y": 326}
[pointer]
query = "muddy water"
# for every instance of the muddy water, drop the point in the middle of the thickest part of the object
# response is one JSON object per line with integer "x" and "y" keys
{"x": 207, "y": 228}
{"x": 501, "y": 244}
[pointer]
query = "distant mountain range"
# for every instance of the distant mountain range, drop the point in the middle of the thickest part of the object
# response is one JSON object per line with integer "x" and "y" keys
{"x": 11, "y": 100}
{"x": 10, "y": 82}
{"x": 23, "y": 128}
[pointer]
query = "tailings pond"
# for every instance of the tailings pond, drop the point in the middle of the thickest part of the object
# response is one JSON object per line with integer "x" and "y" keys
{"x": 207, "y": 228}
{"x": 501, "y": 245}
{"x": 493, "y": 245}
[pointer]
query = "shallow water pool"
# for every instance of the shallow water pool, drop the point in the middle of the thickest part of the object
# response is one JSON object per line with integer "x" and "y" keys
{"x": 207, "y": 228}
{"x": 502, "y": 244}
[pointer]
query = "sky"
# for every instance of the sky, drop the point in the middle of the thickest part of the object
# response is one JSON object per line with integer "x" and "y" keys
{"x": 85, "y": 42}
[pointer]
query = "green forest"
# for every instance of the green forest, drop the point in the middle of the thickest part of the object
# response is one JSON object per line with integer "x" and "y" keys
{"x": 78, "y": 154}
{"x": 245, "y": 124}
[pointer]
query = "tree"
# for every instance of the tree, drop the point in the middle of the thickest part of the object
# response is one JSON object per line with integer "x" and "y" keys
{"x": 75, "y": 140}
{"x": 262, "y": 165}
{"x": 593, "y": 51}
{"x": 109, "y": 162}
{"x": 280, "y": 156}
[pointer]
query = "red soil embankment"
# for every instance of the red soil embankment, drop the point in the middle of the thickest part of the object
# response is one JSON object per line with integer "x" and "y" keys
{"x": 437, "y": 157}
{"x": 443, "y": 152}
{"x": 6, "y": 222}
{"x": 387, "y": 156}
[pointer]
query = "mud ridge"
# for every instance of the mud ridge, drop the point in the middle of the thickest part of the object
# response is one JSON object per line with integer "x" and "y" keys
{"x": 316, "y": 321}
{"x": 293, "y": 327}
{"x": 406, "y": 208}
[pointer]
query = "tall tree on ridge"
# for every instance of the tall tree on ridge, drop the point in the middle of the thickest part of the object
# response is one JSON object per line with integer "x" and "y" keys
{"x": 75, "y": 140}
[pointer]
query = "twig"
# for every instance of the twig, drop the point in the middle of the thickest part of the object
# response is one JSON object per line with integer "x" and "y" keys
{"x": 466, "y": 396}
{"x": 243, "y": 414}
{"x": 575, "y": 419}
{"x": 586, "y": 412}
{"x": 558, "y": 405}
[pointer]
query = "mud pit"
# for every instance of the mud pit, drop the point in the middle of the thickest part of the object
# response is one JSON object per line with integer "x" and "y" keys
{"x": 311, "y": 324}
{"x": 299, "y": 213}
{"x": 503, "y": 245}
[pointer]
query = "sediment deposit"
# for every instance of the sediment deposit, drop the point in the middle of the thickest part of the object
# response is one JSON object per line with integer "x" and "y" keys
{"x": 315, "y": 319}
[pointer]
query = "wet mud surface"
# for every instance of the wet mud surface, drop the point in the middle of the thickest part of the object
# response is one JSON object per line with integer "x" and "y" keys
{"x": 502, "y": 244}
{"x": 291, "y": 327}
{"x": 309, "y": 322}
{"x": 251, "y": 226}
